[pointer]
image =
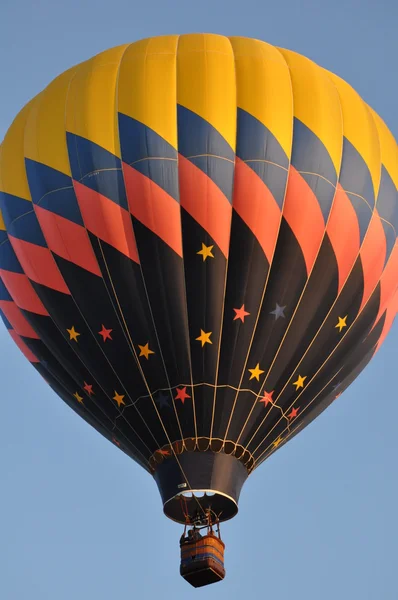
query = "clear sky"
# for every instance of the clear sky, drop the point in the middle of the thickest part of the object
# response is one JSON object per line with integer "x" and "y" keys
{"x": 78, "y": 519}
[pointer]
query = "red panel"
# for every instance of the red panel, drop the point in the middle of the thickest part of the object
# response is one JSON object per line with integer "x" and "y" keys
{"x": 17, "y": 319}
{"x": 38, "y": 264}
{"x": 255, "y": 204}
{"x": 22, "y": 292}
{"x": 205, "y": 202}
{"x": 67, "y": 239}
{"x": 388, "y": 281}
{"x": 304, "y": 216}
{"x": 392, "y": 312}
{"x": 23, "y": 347}
{"x": 153, "y": 207}
{"x": 344, "y": 234}
{"x": 107, "y": 220}
{"x": 373, "y": 256}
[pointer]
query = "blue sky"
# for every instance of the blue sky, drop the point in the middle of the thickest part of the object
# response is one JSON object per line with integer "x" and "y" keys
{"x": 78, "y": 519}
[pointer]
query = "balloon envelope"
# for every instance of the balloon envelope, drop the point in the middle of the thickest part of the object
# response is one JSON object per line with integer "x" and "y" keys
{"x": 198, "y": 251}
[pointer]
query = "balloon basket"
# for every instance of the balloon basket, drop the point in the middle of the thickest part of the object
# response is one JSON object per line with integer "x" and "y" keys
{"x": 202, "y": 558}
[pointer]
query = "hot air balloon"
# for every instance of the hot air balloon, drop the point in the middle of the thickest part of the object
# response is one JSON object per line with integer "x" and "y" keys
{"x": 198, "y": 254}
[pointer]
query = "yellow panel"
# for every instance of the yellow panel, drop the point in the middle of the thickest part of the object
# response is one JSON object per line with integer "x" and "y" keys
{"x": 359, "y": 127}
{"x": 206, "y": 81}
{"x": 91, "y": 102}
{"x": 388, "y": 147}
{"x": 316, "y": 103}
{"x": 2, "y": 224}
{"x": 13, "y": 178}
{"x": 45, "y": 137}
{"x": 147, "y": 89}
{"x": 264, "y": 87}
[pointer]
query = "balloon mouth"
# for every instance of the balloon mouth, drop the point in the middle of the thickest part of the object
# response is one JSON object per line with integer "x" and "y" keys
{"x": 196, "y": 482}
{"x": 193, "y": 502}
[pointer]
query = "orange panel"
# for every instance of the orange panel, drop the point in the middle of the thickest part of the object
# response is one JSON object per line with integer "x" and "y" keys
{"x": 304, "y": 216}
{"x": 373, "y": 256}
{"x": 205, "y": 202}
{"x": 255, "y": 204}
{"x": 17, "y": 320}
{"x": 67, "y": 239}
{"x": 153, "y": 207}
{"x": 107, "y": 220}
{"x": 343, "y": 232}
{"x": 38, "y": 264}
{"x": 22, "y": 292}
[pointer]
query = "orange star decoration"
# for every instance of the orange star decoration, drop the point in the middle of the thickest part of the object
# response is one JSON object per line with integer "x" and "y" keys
{"x": 106, "y": 333}
{"x": 182, "y": 394}
{"x": 88, "y": 388}
{"x": 73, "y": 335}
{"x": 255, "y": 373}
{"x": 78, "y": 397}
{"x": 204, "y": 338}
{"x": 342, "y": 323}
{"x": 241, "y": 313}
{"x": 164, "y": 452}
{"x": 206, "y": 252}
{"x": 300, "y": 382}
{"x": 145, "y": 351}
{"x": 267, "y": 398}
{"x": 293, "y": 414}
{"x": 118, "y": 398}
{"x": 277, "y": 442}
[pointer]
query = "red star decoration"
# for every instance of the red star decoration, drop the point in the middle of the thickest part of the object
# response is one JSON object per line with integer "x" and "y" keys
{"x": 88, "y": 388}
{"x": 182, "y": 394}
{"x": 293, "y": 414}
{"x": 164, "y": 452}
{"x": 114, "y": 440}
{"x": 267, "y": 398}
{"x": 241, "y": 313}
{"x": 106, "y": 333}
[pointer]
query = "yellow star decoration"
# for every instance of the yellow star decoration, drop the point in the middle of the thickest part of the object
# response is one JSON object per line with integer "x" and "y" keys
{"x": 118, "y": 398}
{"x": 300, "y": 382}
{"x": 206, "y": 252}
{"x": 73, "y": 335}
{"x": 145, "y": 351}
{"x": 342, "y": 323}
{"x": 78, "y": 397}
{"x": 255, "y": 373}
{"x": 204, "y": 337}
{"x": 277, "y": 442}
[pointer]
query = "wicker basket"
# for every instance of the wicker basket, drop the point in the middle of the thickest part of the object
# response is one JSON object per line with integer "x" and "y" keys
{"x": 202, "y": 560}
